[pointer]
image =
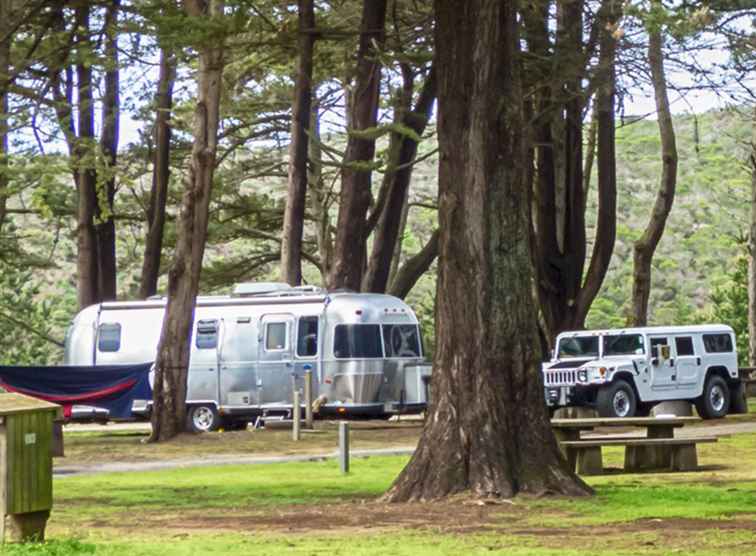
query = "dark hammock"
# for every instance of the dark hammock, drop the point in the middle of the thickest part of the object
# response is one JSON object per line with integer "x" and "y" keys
{"x": 111, "y": 387}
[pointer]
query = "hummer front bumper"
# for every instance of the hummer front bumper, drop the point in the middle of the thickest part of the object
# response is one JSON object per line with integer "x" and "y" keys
{"x": 578, "y": 394}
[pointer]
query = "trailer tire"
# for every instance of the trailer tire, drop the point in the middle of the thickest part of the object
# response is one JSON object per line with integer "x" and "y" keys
{"x": 616, "y": 400}
{"x": 202, "y": 418}
{"x": 714, "y": 403}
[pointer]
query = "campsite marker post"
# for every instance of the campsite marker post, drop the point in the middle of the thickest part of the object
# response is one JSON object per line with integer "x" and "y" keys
{"x": 308, "y": 398}
{"x": 296, "y": 417}
{"x": 344, "y": 447}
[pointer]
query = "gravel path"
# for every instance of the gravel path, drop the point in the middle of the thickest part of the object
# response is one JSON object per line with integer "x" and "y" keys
{"x": 718, "y": 428}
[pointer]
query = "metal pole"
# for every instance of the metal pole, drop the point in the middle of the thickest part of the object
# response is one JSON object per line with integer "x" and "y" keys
{"x": 297, "y": 416}
{"x": 344, "y": 447}
{"x": 308, "y": 398}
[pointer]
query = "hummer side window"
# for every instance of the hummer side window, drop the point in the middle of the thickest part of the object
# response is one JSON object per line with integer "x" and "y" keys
{"x": 717, "y": 343}
{"x": 684, "y": 346}
{"x": 657, "y": 345}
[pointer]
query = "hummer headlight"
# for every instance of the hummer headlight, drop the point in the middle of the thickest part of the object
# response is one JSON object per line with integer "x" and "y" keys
{"x": 582, "y": 376}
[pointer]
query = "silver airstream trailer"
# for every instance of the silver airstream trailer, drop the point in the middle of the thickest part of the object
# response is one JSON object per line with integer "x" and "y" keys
{"x": 248, "y": 348}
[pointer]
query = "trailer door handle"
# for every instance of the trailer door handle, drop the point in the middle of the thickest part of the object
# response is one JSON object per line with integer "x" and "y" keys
{"x": 698, "y": 360}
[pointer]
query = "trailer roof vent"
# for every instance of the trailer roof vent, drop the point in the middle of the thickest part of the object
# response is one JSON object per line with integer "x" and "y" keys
{"x": 259, "y": 288}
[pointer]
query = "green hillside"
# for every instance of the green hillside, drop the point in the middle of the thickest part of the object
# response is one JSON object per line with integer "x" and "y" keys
{"x": 707, "y": 228}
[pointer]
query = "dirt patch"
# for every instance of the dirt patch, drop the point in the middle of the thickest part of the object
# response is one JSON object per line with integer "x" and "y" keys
{"x": 457, "y": 516}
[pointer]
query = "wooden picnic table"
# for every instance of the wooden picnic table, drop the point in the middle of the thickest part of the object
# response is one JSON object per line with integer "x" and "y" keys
{"x": 657, "y": 448}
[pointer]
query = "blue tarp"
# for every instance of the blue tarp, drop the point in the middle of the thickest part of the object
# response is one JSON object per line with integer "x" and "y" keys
{"x": 112, "y": 387}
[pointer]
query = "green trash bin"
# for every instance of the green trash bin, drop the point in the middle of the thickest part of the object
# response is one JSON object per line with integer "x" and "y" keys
{"x": 26, "y": 441}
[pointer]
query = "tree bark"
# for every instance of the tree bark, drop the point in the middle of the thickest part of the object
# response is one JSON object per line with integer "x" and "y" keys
{"x": 752, "y": 253}
{"x": 161, "y": 171}
{"x": 169, "y": 391}
{"x": 645, "y": 247}
{"x": 487, "y": 431}
{"x": 294, "y": 215}
{"x": 606, "y": 221}
{"x": 5, "y": 50}
{"x": 389, "y": 223}
{"x": 105, "y": 227}
{"x": 557, "y": 70}
{"x": 411, "y": 271}
{"x": 87, "y": 264}
{"x": 319, "y": 197}
{"x": 350, "y": 245}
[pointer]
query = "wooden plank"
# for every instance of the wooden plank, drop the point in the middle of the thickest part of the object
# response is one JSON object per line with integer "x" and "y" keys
{"x": 13, "y": 404}
{"x": 623, "y": 422}
{"x": 637, "y": 442}
{"x": 3, "y": 479}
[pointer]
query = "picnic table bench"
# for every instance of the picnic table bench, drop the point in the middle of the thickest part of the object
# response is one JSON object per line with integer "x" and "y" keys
{"x": 658, "y": 449}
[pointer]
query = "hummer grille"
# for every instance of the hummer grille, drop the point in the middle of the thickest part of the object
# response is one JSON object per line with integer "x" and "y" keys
{"x": 561, "y": 377}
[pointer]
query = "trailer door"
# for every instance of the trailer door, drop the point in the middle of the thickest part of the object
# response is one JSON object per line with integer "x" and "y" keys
{"x": 275, "y": 359}
{"x": 238, "y": 359}
{"x": 202, "y": 382}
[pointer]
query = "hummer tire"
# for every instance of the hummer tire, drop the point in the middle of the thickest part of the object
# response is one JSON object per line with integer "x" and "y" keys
{"x": 616, "y": 399}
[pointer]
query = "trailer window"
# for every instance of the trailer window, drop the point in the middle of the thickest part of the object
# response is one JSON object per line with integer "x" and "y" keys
{"x": 357, "y": 341}
{"x": 207, "y": 334}
{"x": 275, "y": 336}
{"x": 684, "y": 345}
{"x": 717, "y": 343}
{"x": 307, "y": 337}
{"x": 401, "y": 340}
{"x": 109, "y": 337}
{"x": 623, "y": 344}
{"x": 579, "y": 346}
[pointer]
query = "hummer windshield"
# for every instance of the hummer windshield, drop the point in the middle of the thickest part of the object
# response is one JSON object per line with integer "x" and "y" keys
{"x": 578, "y": 346}
{"x": 623, "y": 344}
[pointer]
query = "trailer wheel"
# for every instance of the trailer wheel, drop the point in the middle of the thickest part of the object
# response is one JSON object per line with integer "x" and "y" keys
{"x": 616, "y": 400}
{"x": 715, "y": 400}
{"x": 202, "y": 418}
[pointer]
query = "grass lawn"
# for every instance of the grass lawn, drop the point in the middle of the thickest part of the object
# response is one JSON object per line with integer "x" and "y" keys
{"x": 309, "y": 508}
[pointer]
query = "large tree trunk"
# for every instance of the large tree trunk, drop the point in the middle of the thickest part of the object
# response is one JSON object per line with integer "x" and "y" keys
{"x": 294, "y": 215}
{"x": 105, "y": 227}
{"x": 350, "y": 245}
{"x": 487, "y": 430}
{"x": 87, "y": 264}
{"x": 390, "y": 219}
{"x": 752, "y": 253}
{"x": 169, "y": 391}
{"x": 645, "y": 247}
{"x": 161, "y": 170}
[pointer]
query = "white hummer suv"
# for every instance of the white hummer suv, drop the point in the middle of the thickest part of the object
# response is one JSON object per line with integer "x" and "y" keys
{"x": 625, "y": 372}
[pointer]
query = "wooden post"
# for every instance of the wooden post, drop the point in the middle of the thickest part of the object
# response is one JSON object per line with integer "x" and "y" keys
{"x": 296, "y": 416}
{"x": 344, "y": 447}
{"x": 308, "y": 399}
